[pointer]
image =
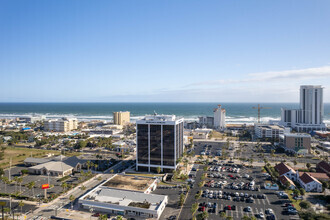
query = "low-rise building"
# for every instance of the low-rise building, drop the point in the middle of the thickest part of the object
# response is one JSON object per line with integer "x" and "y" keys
{"x": 284, "y": 180}
{"x": 127, "y": 197}
{"x": 268, "y": 131}
{"x": 61, "y": 125}
{"x": 31, "y": 119}
{"x": 201, "y": 133}
{"x": 309, "y": 183}
{"x": 323, "y": 167}
{"x": 285, "y": 170}
{"x": 55, "y": 166}
{"x": 295, "y": 141}
{"x": 206, "y": 121}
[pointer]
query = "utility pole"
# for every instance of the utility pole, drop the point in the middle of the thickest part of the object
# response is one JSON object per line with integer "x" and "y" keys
{"x": 9, "y": 177}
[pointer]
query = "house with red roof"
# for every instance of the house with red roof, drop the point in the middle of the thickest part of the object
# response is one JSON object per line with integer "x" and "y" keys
{"x": 323, "y": 167}
{"x": 284, "y": 179}
{"x": 308, "y": 182}
{"x": 285, "y": 170}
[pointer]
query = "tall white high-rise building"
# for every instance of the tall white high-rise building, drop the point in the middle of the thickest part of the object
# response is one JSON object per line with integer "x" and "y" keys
{"x": 309, "y": 116}
{"x": 219, "y": 118}
{"x": 159, "y": 142}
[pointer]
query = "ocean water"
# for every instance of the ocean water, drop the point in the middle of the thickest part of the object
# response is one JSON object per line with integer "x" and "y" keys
{"x": 235, "y": 112}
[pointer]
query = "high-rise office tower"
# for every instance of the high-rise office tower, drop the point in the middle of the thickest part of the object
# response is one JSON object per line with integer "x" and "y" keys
{"x": 310, "y": 114}
{"x": 159, "y": 142}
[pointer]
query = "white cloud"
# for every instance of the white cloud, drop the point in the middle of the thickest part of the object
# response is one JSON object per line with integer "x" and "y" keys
{"x": 299, "y": 74}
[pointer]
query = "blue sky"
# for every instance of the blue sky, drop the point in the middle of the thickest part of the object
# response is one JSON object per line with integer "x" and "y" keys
{"x": 180, "y": 51}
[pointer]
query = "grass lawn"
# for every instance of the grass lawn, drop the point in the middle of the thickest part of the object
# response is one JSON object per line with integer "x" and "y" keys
{"x": 215, "y": 134}
{"x": 19, "y": 154}
{"x": 294, "y": 202}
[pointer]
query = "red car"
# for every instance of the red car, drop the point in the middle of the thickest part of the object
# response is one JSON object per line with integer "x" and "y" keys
{"x": 228, "y": 207}
{"x": 231, "y": 176}
{"x": 203, "y": 208}
{"x": 96, "y": 214}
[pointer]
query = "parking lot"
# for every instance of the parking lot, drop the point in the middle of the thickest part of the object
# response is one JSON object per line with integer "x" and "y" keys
{"x": 238, "y": 194}
{"x": 38, "y": 179}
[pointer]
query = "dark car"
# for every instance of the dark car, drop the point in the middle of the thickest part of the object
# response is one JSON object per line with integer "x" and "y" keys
{"x": 233, "y": 207}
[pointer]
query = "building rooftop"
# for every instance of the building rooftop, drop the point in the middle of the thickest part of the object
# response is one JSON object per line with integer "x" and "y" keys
{"x": 282, "y": 168}
{"x": 128, "y": 182}
{"x": 126, "y": 198}
{"x": 159, "y": 118}
{"x": 296, "y": 135}
{"x": 307, "y": 178}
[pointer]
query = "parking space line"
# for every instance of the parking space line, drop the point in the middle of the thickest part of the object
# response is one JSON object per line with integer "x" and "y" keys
{"x": 237, "y": 214}
{"x": 267, "y": 200}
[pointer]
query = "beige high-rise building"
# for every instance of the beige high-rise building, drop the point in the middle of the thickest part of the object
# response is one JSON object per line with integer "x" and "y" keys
{"x": 121, "y": 118}
{"x": 61, "y": 125}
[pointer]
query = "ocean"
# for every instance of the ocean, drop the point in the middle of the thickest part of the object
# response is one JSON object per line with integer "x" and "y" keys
{"x": 235, "y": 112}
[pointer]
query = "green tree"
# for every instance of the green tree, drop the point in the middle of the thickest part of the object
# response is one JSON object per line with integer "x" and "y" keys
{"x": 64, "y": 186}
{"x": 308, "y": 165}
{"x": 302, "y": 191}
{"x": 305, "y": 204}
{"x": 181, "y": 200}
{"x": 21, "y": 204}
{"x": 296, "y": 192}
{"x": 158, "y": 170}
{"x": 119, "y": 217}
{"x": 205, "y": 215}
{"x": 245, "y": 217}
{"x": 223, "y": 215}
{"x": 103, "y": 217}
{"x": 20, "y": 180}
{"x": 31, "y": 186}
{"x": 71, "y": 198}
{"x": 229, "y": 218}
{"x": 194, "y": 208}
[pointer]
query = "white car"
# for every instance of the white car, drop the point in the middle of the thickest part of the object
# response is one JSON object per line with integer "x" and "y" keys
{"x": 269, "y": 211}
{"x": 261, "y": 215}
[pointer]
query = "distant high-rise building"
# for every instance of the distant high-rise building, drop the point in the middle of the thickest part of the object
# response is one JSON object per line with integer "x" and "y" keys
{"x": 61, "y": 125}
{"x": 310, "y": 114}
{"x": 121, "y": 118}
{"x": 219, "y": 118}
{"x": 159, "y": 142}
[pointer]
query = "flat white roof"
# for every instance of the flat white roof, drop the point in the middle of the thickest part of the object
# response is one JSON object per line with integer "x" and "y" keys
{"x": 124, "y": 197}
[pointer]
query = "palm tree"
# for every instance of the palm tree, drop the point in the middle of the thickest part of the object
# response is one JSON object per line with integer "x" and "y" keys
{"x": 15, "y": 180}
{"x": 64, "y": 185}
{"x": 31, "y": 186}
{"x": 5, "y": 180}
{"x": 21, "y": 204}
{"x": 88, "y": 164}
{"x": 20, "y": 180}
{"x": 72, "y": 198}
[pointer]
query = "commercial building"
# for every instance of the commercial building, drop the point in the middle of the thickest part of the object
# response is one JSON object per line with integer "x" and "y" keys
{"x": 323, "y": 167}
{"x": 61, "y": 125}
{"x": 159, "y": 142}
{"x": 308, "y": 182}
{"x": 295, "y": 141}
{"x": 31, "y": 119}
{"x": 117, "y": 197}
{"x": 55, "y": 166}
{"x": 309, "y": 116}
{"x": 219, "y": 118}
{"x": 268, "y": 131}
{"x": 285, "y": 170}
{"x": 206, "y": 121}
{"x": 121, "y": 118}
